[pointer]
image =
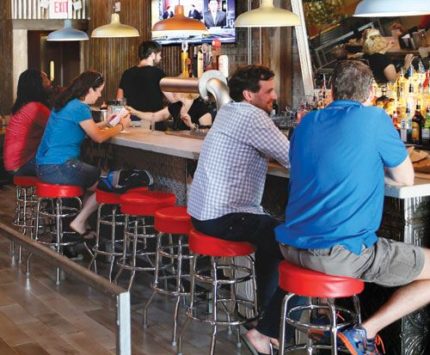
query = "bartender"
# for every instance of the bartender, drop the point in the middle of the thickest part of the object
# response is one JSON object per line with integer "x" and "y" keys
{"x": 375, "y": 47}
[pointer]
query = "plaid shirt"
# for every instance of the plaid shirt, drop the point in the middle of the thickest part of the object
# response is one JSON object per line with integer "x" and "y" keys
{"x": 232, "y": 166}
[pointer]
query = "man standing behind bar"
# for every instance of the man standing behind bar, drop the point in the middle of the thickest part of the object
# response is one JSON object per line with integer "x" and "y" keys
{"x": 140, "y": 84}
{"x": 338, "y": 156}
{"x": 225, "y": 196}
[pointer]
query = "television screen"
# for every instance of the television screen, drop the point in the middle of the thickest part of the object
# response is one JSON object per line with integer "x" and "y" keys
{"x": 217, "y": 15}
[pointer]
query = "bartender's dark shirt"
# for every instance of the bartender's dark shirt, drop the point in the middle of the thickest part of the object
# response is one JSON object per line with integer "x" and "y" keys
{"x": 378, "y": 62}
{"x": 141, "y": 86}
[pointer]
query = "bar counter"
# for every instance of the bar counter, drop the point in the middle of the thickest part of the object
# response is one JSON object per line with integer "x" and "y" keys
{"x": 189, "y": 148}
{"x": 172, "y": 158}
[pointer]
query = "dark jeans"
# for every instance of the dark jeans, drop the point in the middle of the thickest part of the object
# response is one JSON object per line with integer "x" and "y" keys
{"x": 258, "y": 230}
{"x": 28, "y": 169}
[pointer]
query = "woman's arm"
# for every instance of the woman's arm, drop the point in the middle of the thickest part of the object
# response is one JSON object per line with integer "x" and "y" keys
{"x": 98, "y": 134}
{"x": 158, "y": 116}
{"x": 390, "y": 70}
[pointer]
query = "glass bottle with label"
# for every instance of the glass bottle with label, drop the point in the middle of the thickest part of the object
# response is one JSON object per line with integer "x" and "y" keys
{"x": 426, "y": 129}
{"x": 417, "y": 125}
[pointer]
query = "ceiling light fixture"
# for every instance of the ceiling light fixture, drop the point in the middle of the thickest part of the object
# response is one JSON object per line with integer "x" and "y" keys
{"x": 392, "y": 8}
{"x": 67, "y": 33}
{"x": 179, "y": 25}
{"x": 267, "y": 15}
{"x": 115, "y": 29}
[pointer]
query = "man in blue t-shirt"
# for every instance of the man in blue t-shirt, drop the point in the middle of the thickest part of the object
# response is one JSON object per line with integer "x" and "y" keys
{"x": 338, "y": 157}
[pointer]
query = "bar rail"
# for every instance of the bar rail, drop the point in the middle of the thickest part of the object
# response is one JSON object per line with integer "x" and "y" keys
{"x": 123, "y": 330}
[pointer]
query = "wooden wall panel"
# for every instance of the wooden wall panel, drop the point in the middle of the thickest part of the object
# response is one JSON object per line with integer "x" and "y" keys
{"x": 5, "y": 57}
{"x": 113, "y": 56}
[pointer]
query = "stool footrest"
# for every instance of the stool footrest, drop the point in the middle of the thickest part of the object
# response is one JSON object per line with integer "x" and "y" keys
{"x": 234, "y": 317}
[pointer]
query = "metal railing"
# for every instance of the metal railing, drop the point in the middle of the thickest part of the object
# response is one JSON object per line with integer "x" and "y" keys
{"x": 33, "y": 10}
{"x": 123, "y": 328}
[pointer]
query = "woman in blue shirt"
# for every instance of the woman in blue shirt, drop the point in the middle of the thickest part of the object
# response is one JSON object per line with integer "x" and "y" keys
{"x": 58, "y": 156}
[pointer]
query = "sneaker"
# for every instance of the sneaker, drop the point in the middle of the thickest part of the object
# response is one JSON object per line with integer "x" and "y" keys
{"x": 356, "y": 341}
{"x": 373, "y": 344}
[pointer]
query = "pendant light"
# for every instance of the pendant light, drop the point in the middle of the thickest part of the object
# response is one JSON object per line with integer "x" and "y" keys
{"x": 392, "y": 8}
{"x": 115, "y": 29}
{"x": 267, "y": 15}
{"x": 179, "y": 25}
{"x": 67, "y": 33}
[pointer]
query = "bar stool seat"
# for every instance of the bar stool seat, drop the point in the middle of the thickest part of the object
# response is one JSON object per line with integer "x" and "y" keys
{"x": 139, "y": 207}
{"x": 46, "y": 190}
{"x": 51, "y": 205}
{"x": 25, "y": 181}
{"x": 172, "y": 220}
{"x": 145, "y": 203}
{"x": 206, "y": 245}
{"x": 299, "y": 281}
{"x": 175, "y": 224}
{"x": 223, "y": 278}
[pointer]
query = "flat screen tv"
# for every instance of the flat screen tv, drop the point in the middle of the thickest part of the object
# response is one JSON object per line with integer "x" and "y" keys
{"x": 219, "y": 21}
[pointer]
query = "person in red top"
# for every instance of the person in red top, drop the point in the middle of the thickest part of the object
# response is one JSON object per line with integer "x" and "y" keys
{"x": 27, "y": 123}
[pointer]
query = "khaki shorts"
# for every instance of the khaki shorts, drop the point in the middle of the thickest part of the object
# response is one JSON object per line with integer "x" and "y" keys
{"x": 387, "y": 262}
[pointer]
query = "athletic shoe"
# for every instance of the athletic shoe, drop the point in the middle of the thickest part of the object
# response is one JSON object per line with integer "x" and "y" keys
{"x": 355, "y": 340}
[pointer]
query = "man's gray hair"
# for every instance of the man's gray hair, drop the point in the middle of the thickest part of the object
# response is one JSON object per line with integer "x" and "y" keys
{"x": 351, "y": 80}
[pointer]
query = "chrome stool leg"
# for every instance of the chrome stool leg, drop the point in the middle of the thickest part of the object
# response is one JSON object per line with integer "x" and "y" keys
{"x": 189, "y": 312}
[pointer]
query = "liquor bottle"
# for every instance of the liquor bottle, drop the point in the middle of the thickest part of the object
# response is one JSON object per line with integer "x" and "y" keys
{"x": 426, "y": 129}
{"x": 417, "y": 125}
{"x": 403, "y": 125}
{"x": 395, "y": 119}
{"x": 408, "y": 125}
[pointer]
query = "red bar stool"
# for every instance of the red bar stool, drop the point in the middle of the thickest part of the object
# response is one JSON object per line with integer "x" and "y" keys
{"x": 25, "y": 203}
{"x": 223, "y": 305}
{"x": 138, "y": 208}
{"x": 172, "y": 222}
{"x": 107, "y": 215}
{"x": 56, "y": 203}
{"x": 308, "y": 283}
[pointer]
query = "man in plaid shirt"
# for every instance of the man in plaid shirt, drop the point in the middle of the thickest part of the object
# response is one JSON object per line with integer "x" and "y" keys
{"x": 225, "y": 196}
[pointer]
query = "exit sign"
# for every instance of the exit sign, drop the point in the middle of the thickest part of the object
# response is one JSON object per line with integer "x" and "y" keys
{"x": 60, "y": 8}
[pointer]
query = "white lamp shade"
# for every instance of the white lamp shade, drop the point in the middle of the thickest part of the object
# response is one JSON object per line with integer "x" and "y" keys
{"x": 115, "y": 30}
{"x": 392, "y": 8}
{"x": 67, "y": 33}
{"x": 267, "y": 16}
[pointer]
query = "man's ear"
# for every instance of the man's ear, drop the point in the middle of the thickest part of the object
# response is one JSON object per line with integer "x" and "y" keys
{"x": 247, "y": 95}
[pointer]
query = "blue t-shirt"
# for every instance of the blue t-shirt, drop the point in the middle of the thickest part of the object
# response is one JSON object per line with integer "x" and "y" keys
{"x": 63, "y": 134}
{"x": 337, "y": 160}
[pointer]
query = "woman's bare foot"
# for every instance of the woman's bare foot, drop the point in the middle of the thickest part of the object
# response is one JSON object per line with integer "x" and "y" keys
{"x": 259, "y": 341}
{"x": 78, "y": 226}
